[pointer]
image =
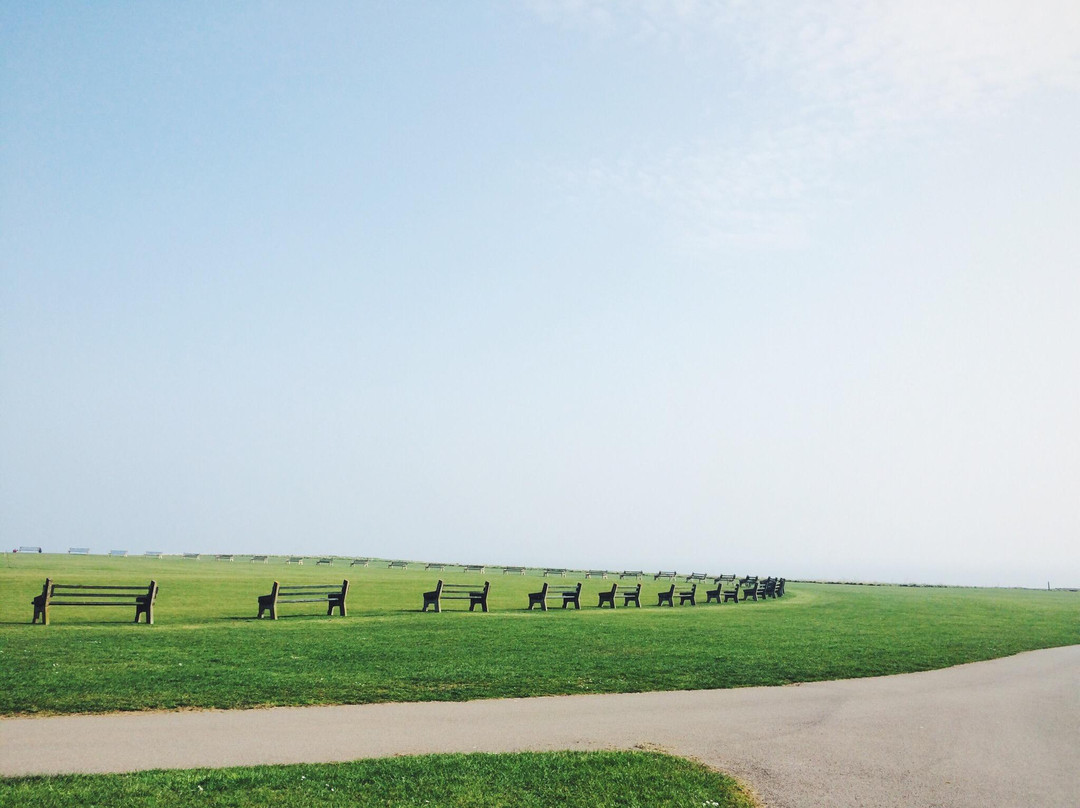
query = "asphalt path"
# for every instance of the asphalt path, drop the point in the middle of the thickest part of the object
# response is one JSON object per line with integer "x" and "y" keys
{"x": 999, "y": 733}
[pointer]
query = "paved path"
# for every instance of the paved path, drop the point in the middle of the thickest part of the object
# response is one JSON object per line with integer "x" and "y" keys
{"x": 1000, "y": 733}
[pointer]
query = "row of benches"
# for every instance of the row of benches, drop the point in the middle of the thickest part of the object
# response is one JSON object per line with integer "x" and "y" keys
{"x": 142, "y": 598}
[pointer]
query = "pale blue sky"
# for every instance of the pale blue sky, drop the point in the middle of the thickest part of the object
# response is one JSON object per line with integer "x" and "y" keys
{"x": 777, "y": 287}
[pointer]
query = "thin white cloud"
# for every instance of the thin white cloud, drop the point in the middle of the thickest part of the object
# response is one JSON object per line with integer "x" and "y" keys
{"x": 860, "y": 72}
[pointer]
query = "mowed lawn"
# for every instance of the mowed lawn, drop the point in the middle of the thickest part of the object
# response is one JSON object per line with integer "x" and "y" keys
{"x": 206, "y": 650}
{"x": 525, "y": 780}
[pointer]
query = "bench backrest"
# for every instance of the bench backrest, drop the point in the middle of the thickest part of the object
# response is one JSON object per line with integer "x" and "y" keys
{"x": 133, "y": 593}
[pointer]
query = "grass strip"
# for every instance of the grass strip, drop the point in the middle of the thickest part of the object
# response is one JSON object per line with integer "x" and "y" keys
{"x": 524, "y": 780}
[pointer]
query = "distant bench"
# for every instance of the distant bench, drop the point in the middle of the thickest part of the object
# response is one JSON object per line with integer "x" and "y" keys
{"x": 326, "y": 562}
{"x": 596, "y": 574}
{"x": 225, "y": 557}
{"x": 118, "y": 553}
{"x": 78, "y": 551}
{"x": 631, "y": 574}
{"x": 629, "y": 594}
{"x": 513, "y": 570}
{"x": 663, "y": 574}
{"x": 330, "y": 594}
{"x": 360, "y": 562}
{"x": 29, "y": 549}
{"x": 476, "y": 596}
{"x": 153, "y": 554}
{"x": 141, "y": 597}
{"x": 260, "y": 559}
{"x": 727, "y": 589}
{"x": 683, "y": 594}
{"x": 569, "y": 594}
{"x": 749, "y": 586}
{"x": 555, "y": 571}
{"x": 295, "y": 560}
{"x": 480, "y": 568}
{"x": 434, "y": 566}
{"x": 696, "y": 576}
{"x": 401, "y": 565}
{"x": 193, "y": 556}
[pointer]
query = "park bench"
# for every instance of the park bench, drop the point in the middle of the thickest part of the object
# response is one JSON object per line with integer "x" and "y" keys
{"x": 513, "y": 571}
{"x": 29, "y": 549}
{"x": 118, "y": 553}
{"x": 225, "y": 557}
{"x": 401, "y": 565}
{"x": 470, "y": 592}
{"x": 555, "y": 571}
{"x": 750, "y": 588}
{"x": 696, "y": 576}
{"x": 360, "y": 562}
{"x": 260, "y": 559}
{"x": 193, "y": 556}
{"x": 141, "y": 597}
{"x": 631, "y": 574}
{"x": 684, "y": 595}
{"x": 780, "y": 587}
{"x": 326, "y": 562}
{"x": 768, "y": 588}
{"x": 330, "y": 594}
{"x": 629, "y": 594}
{"x": 78, "y": 551}
{"x": 663, "y": 574}
{"x": 434, "y": 566}
{"x": 153, "y": 554}
{"x": 727, "y": 589}
{"x": 596, "y": 574}
{"x": 480, "y": 568}
{"x": 569, "y": 594}
{"x": 295, "y": 560}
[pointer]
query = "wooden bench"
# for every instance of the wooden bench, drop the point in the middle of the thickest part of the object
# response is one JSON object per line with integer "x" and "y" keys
{"x": 141, "y": 597}
{"x": 596, "y": 574}
{"x": 480, "y": 568}
{"x": 696, "y": 576}
{"x": 683, "y": 594}
{"x": 330, "y": 594}
{"x": 727, "y": 589}
{"x": 751, "y": 588}
{"x": 513, "y": 571}
{"x": 193, "y": 556}
{"x": 401, "y": 565}
{"x": 295, "y": 560}
{"x": 326, "y": 562}
{"x": 569, "y": 594}
{"x": 629, "y": 594}
{"x": 260, "y": 559}
{"x": 469, "y": 592}
{"x": 434, "y": 566}
{"x": 29, "y": 550}
{"x": 78, "y": 551}
{"x": 555, "y": 571}
{"x": 153, "y": 554}
{"x": 631, "y": 574}
{"x": 780, "y": 587}
{"x": 360, "y": 562}
{"x": 663, "y": 574}
{"x": 118, "y": 553}
{"x": 225, "y": 557}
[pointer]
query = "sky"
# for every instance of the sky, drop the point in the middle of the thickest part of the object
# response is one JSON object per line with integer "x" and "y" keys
{"x": 781, "y": 288}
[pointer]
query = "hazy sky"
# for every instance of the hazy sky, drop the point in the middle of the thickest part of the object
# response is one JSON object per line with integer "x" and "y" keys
{"x": 779, "y": 287}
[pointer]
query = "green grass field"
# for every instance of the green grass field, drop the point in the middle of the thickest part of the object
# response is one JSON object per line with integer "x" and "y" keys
{"x": 527, "y": 780}
{"x": 206, "y": 650}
